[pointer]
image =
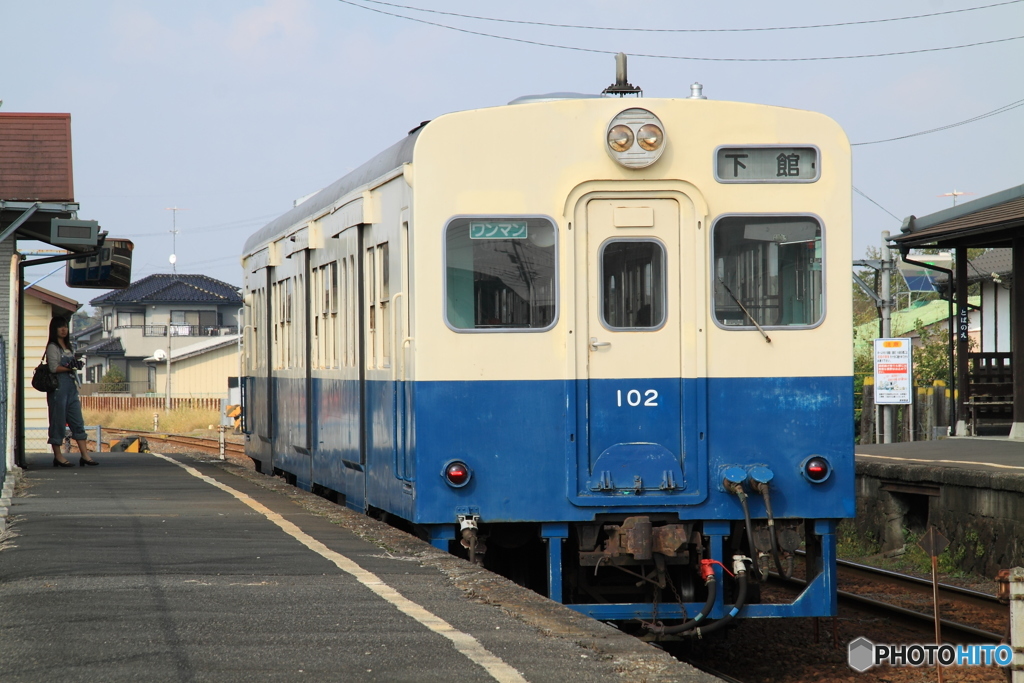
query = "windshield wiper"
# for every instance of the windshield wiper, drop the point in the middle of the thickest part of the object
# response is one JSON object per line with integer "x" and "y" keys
{"x": 746, "y": 312}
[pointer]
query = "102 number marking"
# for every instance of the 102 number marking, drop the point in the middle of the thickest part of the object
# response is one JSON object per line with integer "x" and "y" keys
{"x": 634, "y": 398}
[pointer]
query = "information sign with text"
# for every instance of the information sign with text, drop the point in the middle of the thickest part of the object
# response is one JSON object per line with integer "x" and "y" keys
{"x": 893, "y": 363}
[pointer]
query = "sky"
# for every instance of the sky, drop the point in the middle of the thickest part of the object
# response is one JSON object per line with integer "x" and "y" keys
{"x": 230, "y": 110}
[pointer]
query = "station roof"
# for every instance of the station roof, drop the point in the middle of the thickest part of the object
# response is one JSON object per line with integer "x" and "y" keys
{"x": 990, "y": 221}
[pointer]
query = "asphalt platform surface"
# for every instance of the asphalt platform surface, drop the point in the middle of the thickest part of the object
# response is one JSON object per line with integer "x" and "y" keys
{"x": 138, "y": 570}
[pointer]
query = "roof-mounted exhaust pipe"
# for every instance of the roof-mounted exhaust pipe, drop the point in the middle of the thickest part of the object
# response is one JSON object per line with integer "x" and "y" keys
{"x": 621, "y": 86}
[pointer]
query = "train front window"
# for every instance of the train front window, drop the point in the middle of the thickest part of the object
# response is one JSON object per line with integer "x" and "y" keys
{"x": 633, "y": 284}
{"x": 767, "y": 271}
{"x": 500, "y": 273}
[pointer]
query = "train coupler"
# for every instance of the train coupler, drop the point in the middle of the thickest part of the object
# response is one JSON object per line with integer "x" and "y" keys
{"x": 637, "y": 538}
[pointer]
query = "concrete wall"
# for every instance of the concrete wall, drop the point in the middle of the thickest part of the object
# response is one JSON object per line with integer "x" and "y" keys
{"x": 980, "y": 513}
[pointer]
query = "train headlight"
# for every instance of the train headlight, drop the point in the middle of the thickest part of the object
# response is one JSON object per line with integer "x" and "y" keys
{"x": 635, "y": 138}
{"x": 457, "y": 474}
{"x": 620, "y": 138}
{"x": 649, "y": 137}
{"x": 816, "y": 469}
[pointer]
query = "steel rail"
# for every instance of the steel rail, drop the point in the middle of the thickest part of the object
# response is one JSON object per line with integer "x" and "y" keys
{"x": 204, "y": 444}
{"x": 922, "y": 586}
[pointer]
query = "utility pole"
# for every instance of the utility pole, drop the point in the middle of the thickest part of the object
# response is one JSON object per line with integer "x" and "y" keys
{"x": 167, "y": 396}
{"x": 885, "y": 310}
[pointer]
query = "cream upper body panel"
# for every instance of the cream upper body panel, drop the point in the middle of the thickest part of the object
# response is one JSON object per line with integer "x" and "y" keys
{"x": 543, "y": 159}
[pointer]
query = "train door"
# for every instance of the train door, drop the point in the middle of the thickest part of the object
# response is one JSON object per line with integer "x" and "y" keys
{"x": 261, "y": 403}
{"x": 636, "y": 414}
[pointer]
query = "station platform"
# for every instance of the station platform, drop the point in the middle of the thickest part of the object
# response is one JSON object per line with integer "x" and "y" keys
{"x": 180, "y": 567}
{"x": 971, "y": 453}
{"x": 971, "y": 489}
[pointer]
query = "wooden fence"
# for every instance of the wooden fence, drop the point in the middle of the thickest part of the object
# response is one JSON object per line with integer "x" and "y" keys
{"x": 124, "y": 403}
{"x": 925, "y": 420}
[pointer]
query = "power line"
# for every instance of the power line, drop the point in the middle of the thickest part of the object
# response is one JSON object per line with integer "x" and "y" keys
{"x": 877, "y": 204}
{"x": 675, "y": 57}
{"x": 689, "y": 30}
{"x": 1000, "y": 110}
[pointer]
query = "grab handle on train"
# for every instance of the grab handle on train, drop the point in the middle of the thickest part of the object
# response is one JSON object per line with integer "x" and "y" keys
{"x": 396, "y": 351}
{"x": 595, "y": 345}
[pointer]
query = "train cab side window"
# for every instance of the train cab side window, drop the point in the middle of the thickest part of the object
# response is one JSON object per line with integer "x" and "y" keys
{"x": 500, "y": 274}
{"x": 633, "y": 284}
{"x": 767, "y": 270}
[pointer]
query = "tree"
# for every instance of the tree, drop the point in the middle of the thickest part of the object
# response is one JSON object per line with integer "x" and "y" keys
{"x": 113, "y": 381}
{"x": 84, "y": 318}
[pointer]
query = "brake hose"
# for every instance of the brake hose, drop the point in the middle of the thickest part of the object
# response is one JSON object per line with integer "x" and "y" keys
{"x": 707, "y": 571}
{"x": 763, "y": 488}
{"x": 738, "y": 490}
{"x": 741, "y": 598}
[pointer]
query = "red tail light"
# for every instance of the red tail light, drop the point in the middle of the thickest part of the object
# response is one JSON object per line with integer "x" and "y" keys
{"x": 457, "y": 473}
{"x": 817, "y": 469}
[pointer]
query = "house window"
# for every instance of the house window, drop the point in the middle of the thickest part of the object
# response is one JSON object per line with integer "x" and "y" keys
{"x": 131, "y": 318}
{"x": 194, "y": 323}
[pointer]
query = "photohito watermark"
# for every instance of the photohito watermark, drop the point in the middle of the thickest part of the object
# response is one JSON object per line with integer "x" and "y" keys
{"x": 863, "y": 654}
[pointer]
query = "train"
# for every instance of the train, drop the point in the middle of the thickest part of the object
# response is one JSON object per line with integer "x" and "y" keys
{"x": 599, "y": 343}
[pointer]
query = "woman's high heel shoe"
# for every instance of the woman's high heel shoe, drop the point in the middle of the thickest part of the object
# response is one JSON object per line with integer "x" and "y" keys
{"x": 62, "y": 463}
{"x": 82, "y": 462}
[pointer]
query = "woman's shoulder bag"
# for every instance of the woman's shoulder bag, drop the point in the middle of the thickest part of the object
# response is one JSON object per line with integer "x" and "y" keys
{"x": 42, "y": 379}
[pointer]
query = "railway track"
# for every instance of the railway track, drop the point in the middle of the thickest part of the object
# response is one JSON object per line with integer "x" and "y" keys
{"x": 197, "y": 443}
{"x": 803, "y": 650}
{"x": 984, "y": 611}
{"x": 967, "y": 616}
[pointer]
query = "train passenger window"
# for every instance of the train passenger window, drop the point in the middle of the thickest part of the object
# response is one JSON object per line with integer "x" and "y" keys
{"x": 767, "y": 270}
{"x": 500, "y": 273}
{"x": 633, "y": 284}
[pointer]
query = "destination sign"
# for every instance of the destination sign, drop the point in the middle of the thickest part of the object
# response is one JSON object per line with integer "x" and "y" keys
{"x": 766, "y": 165}
{"x": 497, "y": 230}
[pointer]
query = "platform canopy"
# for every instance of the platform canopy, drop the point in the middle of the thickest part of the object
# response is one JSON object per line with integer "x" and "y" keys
{"x": 994, "y": 221}
{"x": 987, "y": 222}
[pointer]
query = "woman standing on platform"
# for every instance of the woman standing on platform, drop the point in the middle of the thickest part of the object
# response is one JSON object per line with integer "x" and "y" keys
{"x": 63, "y": 404}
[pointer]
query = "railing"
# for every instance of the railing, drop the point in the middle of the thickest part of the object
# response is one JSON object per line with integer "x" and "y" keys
{"x": 125, "y": 403}
{"x": 183, "y": 330}
{"x": 128, "y": 388}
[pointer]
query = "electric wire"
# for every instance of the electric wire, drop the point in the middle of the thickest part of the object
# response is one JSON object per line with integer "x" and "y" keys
{"x": 876, "y": 204}
{"x": 994, "y": 112}
{"x": 689, "y": 30}
{"x": 677, "y": 57}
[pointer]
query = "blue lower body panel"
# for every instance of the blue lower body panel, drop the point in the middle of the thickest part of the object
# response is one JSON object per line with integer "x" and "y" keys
{"x": 543, "y": 453}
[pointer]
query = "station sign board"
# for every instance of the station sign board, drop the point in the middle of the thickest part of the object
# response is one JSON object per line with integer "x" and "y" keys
{"x": 893, "y": 371}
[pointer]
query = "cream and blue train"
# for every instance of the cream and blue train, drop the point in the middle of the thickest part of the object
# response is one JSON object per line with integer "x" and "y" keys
{"x": 600, "y": 344}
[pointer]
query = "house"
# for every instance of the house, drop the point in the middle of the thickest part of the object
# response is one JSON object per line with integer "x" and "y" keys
{"x": 40, "y": 306}
{"x": 163, "y": 312}
{"x": 993, "y": 270}
{"x": 200, "y": 369}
